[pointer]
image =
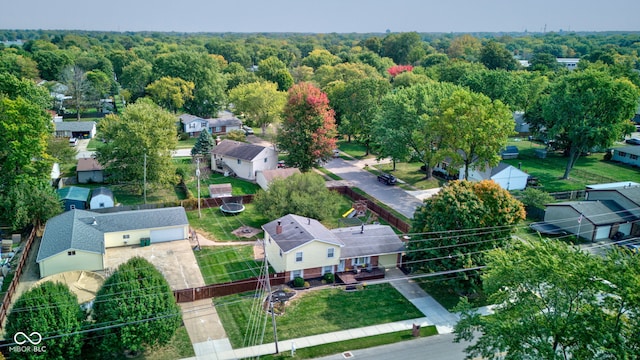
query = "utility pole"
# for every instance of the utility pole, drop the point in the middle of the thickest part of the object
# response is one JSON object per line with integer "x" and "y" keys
{"x": 145, "y": 177}
{"x": 198, "y": 175}
{"x": 268, "y": 281}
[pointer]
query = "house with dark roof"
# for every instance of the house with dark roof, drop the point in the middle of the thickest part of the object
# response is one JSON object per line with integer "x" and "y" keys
{"x": 604, "y": 213}
{"x": 101, "y": 198}
{"x": 224, "y": 123}
{"x": 88, "y": 171}
{"x": 242, "y": 159}
{"x": 75, "y": 129}
{"x": 77, "y": 239}
{"x": 303, "y": 247}
{"x": 74, "y": 197}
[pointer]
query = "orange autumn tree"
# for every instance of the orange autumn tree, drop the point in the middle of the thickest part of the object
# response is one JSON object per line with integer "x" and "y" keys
{"x": 456, "y": 227}
{"x": 309, "y": 128}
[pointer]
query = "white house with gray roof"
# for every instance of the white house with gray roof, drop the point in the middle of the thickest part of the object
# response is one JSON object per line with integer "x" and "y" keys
{"x": 77, "y": 239}
{"x": 303, "y": 247}
{"x": 76, "y": 129}
{"x": 242, "y": 159}
{"x": 220, "y": 125}
{"x": 627, "y": 154}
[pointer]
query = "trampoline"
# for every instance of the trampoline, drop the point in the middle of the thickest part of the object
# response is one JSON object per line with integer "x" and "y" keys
{"x": 232, "y": 206}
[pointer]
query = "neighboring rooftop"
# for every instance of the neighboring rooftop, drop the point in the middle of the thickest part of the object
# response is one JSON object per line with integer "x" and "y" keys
{"x": 237, "y": 150}
{"x": 88, "y": 164}
{"x": 281, "y": 173}
{"x": 600, "y": 212}
{"x": 74, "y": 125}
{"x": 614, "y": 185}
{"x": 366, "y": 240}
{"x": 225, "y": 118}
{"x": 74, "y": 193}
{"x": 101, "y": 191}
{"x": 297, "y": 231}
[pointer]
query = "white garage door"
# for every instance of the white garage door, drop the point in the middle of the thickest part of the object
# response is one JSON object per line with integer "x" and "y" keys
{"x": 603, "y": 232}
{"x": 625, "y": 228}
{"x": 167, "y": 235}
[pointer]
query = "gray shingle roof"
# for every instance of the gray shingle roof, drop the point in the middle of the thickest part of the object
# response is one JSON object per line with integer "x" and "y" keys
{"x": 187, "y": 118}
{"x": 75, "y": 229}
{"x": 237, "y": 150}
{"x": 297, "y": 231}
{"x": 600, "y": 212}
{"x": 225, "y": 118}
{"x": 74, "y": 125}
{"x": 102, "y": 191}
{"x": 631, "y": 193}
{"x": 374, "y": 240}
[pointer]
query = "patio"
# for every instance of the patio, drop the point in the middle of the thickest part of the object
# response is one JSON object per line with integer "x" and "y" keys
{"x": 350, "y": 278}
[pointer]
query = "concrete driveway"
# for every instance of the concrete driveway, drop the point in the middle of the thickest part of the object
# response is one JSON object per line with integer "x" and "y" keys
{"x": 392, "y": 196}
{"x": 174, "y": 259}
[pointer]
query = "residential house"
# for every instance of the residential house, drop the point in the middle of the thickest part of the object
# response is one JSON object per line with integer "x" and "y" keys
{"x": 303, "y": 247}
{"x": 75, "y": 129}
{"x": 265, "y": 177}
{"x": 569, "y": 63}
{"x": 605, "y": 212}
{"x": 242, "y": 159}
{"x": 76, "y": 240}
{"x": 224, "y": 123}
{"x": 101, "y": 198}
{"x": 627, "y": 154}
{"x": 193, "y": 125}
{"x": 507, "y": 176}
{"x": 88, "y": 171}
{"x": 74, "y": 197}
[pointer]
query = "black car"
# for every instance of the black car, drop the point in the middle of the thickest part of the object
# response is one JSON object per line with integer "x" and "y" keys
{"x": 633, "y": 141}
{"x": 387, "y": 179}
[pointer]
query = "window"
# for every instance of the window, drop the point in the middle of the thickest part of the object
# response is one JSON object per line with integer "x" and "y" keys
{"x": 192, "y": 125}
{"x": 71, "y": 207}
{"x": 622, "y": 154}
{"x": 297, "y": 273}
{"x": 361, "y": 261}
{"x": 218, "y": 129}
{"x": 269, "y": 239}
{"x": 101, "y": 205}
{"x": 330, "y": 252}
{"x": 265, "y": 160}
{"x": 239, "y": 161}
{"x": 71, "y": 253}
{"x": 125, "y": 236}
{"x": 299, "y": 256}
{"x": 280, "y": 252}
{"x": 327, "y": 269}
{"x": 633, "y": 157}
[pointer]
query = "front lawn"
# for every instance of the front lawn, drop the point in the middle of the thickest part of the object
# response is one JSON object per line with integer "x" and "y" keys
{"x": 410, "y": 173}
{"x": 354, "y": 149}
{"x": 187, "y": 144}
{"x": 318, "y": 311}
{"x": 220, "y": 264}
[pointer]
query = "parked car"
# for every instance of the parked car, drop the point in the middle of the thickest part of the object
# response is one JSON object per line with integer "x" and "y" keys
{"x": 73, "y": 141}
{"x": 633, "y": 141}
{"x": 387, "y": 179}
{"x": 247, "y": 130}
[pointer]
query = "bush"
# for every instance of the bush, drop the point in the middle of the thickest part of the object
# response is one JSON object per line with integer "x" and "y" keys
{"x": 329, "y": 277}
{"x": 183, "y": 136}
{"x": 298, "y": 282}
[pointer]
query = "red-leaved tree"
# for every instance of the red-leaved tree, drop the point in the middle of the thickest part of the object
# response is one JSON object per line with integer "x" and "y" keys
{"x": 309, "y": 127}
{"x": 398, "y": 69}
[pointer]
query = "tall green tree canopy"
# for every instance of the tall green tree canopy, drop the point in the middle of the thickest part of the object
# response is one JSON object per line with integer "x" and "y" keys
{"x": 494, "y": 55}
{"x": 458, "y": 225}
{"x": 137, "y": 299}
{"x": 171, "y": 93}
{"x": 275, "y": 70}
{"x": 554, "y": 301}
{"x": 51, "y": 310}
{"x": 308, "y": 130}
{"x": 301, "y": 194}
{"x": 587, "y": 109}
{"x": 142, "y": 129}
{"x": 260, "y": 102}
{"x": 474, "y": 129}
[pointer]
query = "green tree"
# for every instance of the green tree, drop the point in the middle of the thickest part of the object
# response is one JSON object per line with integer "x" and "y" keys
{"x": 202, "y": 70}
{"x": 466, "y": 47}
{"x": 204, "y": 144}
{"x": 139, "y": 304}
{"x": 260, "y": 102}
{"x": 79, "y": 88}
{"x": 135, "y": 78}
{"x": 51, "y": 310}
{"x": 399, "y": 46}
{"x": 170, "y": 93}
{"x": 458, "y": 225}
{"x": 301, "y": 194}
{"x": 274, "y": 70}
{"x": 319, "y": 57}
{"x": 142, "y": 129}
{"x": 51, "y": 63}
{"x": 60, "y": 151}
{"x": 406, "y": 125}
{"x": 588, "y": 109}
{"x": 18, "y": 65}
{"x": 473, "y": 129}
{"x": 555, "y": 301}
{"x": 236, "y": 135}
{"x": 308, "y": 130}
{"x": 495, "y": 56}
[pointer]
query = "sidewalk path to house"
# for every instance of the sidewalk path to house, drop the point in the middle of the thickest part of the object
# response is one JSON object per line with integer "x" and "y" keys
{"x": 435, "y": 313}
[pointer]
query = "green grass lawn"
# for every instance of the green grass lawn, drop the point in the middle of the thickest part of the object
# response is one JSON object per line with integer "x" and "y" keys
{"x": 410, "y": 173}
{"x": 238, "y": 186}
{"x": 319, "y": 311}
{"x": 588, "y": 170}
{"x": 179, "y": 347}
{"x": 187, "y": 144}
{"x": 220, "y": 264}
{"x": 354, "y": 149}
{"x": 217, "y": 226}
{"x": 329, "y": 173}
{"x": 94, "y": 144}
{"x": 354, "y": 344}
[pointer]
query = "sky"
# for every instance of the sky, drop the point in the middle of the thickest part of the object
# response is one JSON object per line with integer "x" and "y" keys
{"x": 322, "y": 16}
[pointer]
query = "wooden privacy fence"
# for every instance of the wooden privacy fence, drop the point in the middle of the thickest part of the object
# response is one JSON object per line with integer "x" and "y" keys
{"x": 6, "y": 301}
{"x": 224, "y": 289}
{"x": 382, "y": 213}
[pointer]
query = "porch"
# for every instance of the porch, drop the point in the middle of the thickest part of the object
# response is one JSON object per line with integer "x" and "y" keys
{"x": 359, "y": 275}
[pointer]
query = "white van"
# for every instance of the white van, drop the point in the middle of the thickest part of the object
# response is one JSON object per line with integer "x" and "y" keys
{"x": 73, "y": 141}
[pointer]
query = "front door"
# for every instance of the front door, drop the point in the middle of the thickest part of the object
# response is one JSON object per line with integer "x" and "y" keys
{"x": 341, "y": 266}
